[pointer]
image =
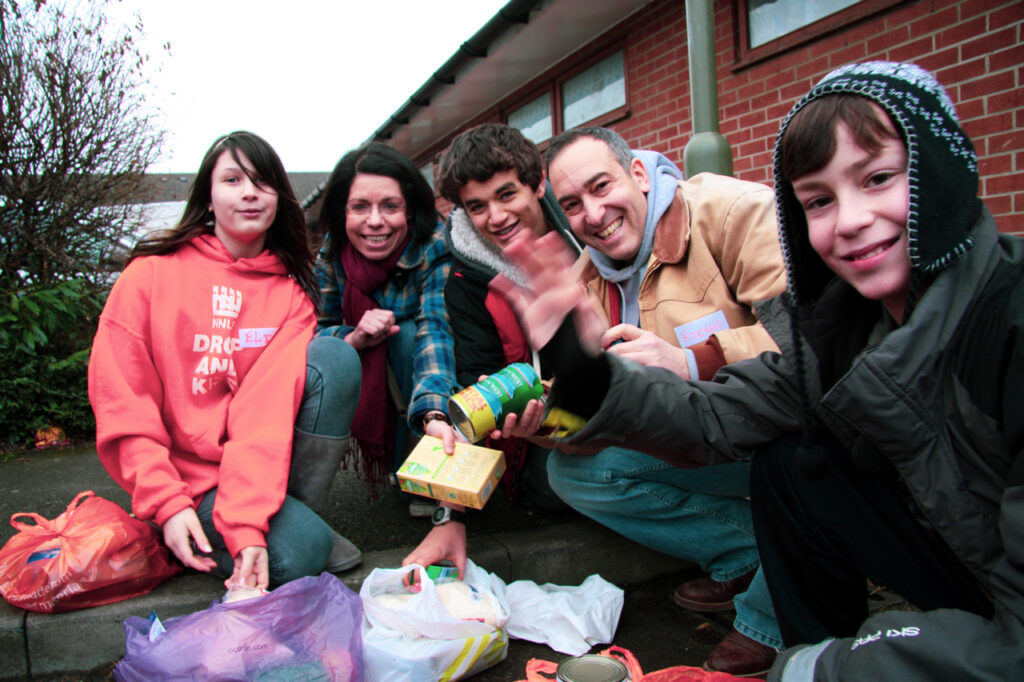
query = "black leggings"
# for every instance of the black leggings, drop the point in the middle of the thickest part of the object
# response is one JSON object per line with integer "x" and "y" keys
{"x": 819, "y": 540}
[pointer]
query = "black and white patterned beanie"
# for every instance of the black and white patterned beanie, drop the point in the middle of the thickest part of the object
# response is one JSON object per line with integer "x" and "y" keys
{"x": 942, "y": 172}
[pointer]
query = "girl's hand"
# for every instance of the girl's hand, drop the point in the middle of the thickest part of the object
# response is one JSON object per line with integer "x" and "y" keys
{"x": 252, "y": 568}
{"x": 446, "y": 432}
{"x": 180, "y": 532}
{"x": 374, "y": 327}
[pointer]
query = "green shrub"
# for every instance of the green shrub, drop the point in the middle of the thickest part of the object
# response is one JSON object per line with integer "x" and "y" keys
{"x": 45, "y": 336}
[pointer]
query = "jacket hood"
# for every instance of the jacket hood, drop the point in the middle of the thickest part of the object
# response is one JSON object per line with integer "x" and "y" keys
{"x": 482, "y": 257}
{"x": 664, "y": 177}
{"x": 475, "y": 251}
{"x": 942, "y": 172}
{"x": 266, "y": 262}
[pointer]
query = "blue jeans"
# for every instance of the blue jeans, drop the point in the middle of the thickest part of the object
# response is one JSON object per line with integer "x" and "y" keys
{"x": 701, "y": 515}
{"x": 335, "y": 371}
{"x": 298, "y": 541}
{"x": 333, "y": 374}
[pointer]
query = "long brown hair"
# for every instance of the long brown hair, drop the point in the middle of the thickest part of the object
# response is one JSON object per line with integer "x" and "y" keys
{"x": 287, "y": 236}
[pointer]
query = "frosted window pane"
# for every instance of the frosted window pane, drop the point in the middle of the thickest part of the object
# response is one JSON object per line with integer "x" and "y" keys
{"x": 593, "y": 92}
{"x": 771, "y": 19}
{"x": 533, "y": 119}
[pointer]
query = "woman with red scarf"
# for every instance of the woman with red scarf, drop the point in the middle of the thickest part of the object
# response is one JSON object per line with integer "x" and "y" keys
{"x": 382, "y": 273}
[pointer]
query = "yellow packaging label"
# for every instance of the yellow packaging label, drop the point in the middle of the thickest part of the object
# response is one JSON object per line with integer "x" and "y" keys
{"x": 559, "y": 423}
{"x": 467, "y": 477}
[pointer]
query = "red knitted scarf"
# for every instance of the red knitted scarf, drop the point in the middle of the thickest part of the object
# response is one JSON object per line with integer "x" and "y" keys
{"x": 374, "y": 422}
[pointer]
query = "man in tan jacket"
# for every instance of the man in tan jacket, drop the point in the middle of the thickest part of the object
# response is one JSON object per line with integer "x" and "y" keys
{"x": 677, "y": 266}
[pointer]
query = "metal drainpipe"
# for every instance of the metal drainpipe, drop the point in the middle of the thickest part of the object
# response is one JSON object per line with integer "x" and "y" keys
{"x": 707, "y": 150}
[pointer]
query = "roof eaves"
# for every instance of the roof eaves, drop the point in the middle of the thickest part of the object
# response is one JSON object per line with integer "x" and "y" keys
{"x": 514, "y": 13}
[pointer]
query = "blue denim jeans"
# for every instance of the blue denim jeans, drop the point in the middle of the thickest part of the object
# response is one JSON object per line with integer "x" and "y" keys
{"x": 298, "y": 542}
{"x": 702, "y": 515}
{"x": 333, "y": 375}
{"x": 335, "y": 365}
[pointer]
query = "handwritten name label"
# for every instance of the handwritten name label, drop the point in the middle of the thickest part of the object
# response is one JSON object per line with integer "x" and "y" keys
{"x": 701, "y": 329}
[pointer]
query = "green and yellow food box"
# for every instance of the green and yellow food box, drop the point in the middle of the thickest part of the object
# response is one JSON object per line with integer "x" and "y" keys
{"x": 467, "y": 477}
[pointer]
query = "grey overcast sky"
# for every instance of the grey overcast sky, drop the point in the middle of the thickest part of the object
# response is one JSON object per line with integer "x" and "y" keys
{"x": 313, "y": 77}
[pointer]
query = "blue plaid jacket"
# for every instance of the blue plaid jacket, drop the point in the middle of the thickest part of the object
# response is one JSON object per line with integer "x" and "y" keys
{"x": 418, "y": 295}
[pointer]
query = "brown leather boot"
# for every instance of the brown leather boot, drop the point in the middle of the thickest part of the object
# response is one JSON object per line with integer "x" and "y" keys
{"x": 741, "y": 656}
{"x": 708, "y": 596}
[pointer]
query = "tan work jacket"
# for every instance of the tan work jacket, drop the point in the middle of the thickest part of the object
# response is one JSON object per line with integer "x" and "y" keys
{"x": 715, "y": 248}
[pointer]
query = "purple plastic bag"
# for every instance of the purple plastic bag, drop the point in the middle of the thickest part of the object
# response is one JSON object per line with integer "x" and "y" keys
{"x": 308, "y": 629}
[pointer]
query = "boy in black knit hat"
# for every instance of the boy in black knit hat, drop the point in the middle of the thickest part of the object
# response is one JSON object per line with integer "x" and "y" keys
{"x": 902, "y": 366}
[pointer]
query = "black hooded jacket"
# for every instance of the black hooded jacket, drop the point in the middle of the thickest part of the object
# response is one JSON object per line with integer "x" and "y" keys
{"x": 940, "y": 398}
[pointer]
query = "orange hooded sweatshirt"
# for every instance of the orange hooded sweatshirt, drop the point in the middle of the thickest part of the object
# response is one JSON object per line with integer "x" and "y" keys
{"x": 196, "y": 376}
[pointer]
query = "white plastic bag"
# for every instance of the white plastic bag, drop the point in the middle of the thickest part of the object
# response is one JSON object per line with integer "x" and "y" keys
{"x": 419, "y": 640}
{"x": 569, "y": 619}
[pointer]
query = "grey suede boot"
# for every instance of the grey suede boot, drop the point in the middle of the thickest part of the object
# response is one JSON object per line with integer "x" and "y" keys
{"x": 315, "y": 461}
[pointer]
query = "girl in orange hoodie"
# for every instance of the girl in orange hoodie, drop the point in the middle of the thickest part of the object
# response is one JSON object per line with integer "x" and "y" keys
{"x": 198, "y": 372}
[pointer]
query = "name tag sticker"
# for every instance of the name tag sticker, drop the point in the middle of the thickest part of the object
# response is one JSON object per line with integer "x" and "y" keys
{"x": 701, "y": 329}
{"x": 255, "y": 338}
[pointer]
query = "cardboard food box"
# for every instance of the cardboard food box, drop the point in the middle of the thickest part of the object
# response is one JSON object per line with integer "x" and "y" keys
{"x": 467, "y": 477}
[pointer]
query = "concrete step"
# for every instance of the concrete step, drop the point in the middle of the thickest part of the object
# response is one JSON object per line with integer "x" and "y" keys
{"x": 33, "y": 644}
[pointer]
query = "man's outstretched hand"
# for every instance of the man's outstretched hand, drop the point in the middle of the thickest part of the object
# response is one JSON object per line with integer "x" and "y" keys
{"x": 554, "y": 291}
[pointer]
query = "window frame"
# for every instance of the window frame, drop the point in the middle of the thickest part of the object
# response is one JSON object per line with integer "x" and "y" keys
{"x": 746, "y": 56}
{"x": 552, "y": 85}
{"x": 520, "y": 102}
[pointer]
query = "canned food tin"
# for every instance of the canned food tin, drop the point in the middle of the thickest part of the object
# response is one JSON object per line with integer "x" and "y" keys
{"x": 479, "y": 409}
{"x": 591, "y": 668}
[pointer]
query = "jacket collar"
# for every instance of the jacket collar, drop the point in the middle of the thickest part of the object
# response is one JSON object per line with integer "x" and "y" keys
{"x": 480, "y": 256}
{"x": 671, "y": 237}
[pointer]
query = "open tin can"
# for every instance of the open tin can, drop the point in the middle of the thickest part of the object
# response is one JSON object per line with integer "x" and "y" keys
{"x": 591, "y": 668}
{"x": 477, "y": 410}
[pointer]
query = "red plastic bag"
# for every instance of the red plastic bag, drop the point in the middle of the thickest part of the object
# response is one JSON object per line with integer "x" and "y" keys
{"x": 537, "y": 670}
{"x": 307, "y": 629}
{"x": 92, "y": 554}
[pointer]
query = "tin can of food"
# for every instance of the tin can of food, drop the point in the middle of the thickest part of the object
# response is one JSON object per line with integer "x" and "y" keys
{"x": 591, "y": 668}
{"x": 479, "y": 409}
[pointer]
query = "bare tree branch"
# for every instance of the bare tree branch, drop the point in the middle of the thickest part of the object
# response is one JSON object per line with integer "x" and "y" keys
{"x": 75, "y": 140}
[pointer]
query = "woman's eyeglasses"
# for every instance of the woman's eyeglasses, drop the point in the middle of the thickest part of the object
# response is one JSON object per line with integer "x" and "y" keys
{"x": 365, "y": 208}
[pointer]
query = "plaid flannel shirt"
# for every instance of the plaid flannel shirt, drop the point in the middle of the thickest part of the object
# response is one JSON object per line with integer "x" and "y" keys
{"x": 415, "y": 291}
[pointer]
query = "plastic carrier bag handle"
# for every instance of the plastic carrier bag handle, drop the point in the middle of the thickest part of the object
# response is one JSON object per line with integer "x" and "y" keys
{"x": 626, "y": 657}
{"x": 44, "y": 526}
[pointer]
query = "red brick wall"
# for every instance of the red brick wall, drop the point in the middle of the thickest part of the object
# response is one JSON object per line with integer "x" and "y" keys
{"x": 975, "y": 47}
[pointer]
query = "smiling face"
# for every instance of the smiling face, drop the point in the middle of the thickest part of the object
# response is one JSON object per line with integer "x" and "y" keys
{"x": 243, "y": 208}
{"x": 856, "y": 210}
{"x": 376, "y": 217}
{"x": 606, "y": 205}
{"x": 502, "y": 206}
